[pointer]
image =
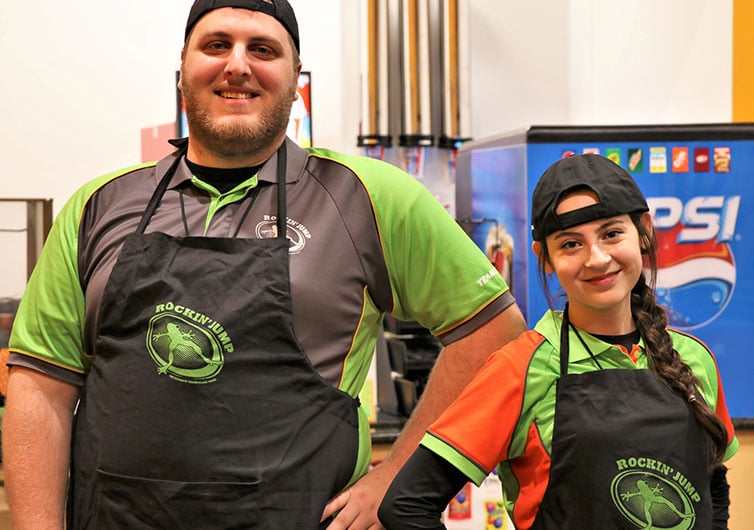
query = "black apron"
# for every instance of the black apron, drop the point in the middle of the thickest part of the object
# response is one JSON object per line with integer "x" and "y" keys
{"x": 201, "y": 409}
{"x": 627, "y": 453}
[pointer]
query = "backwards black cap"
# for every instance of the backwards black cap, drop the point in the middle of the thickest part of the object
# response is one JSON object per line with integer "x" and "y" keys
{"x": 615, "y": 189}
{"x": 281, "y": 10}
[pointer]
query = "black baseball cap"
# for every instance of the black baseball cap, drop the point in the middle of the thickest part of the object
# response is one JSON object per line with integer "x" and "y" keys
{"x": 616, "y": 191}
{"x": 281, "y": 10}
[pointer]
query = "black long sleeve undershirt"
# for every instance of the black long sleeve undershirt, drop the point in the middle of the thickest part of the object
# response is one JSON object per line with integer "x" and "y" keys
{"x": 423, "y": 488}
{"x": 720, "y": 492}
{"x": 420, "y": 492}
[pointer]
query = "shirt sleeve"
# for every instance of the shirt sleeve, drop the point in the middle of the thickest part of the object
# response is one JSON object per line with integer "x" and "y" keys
{"x": 439, "y": 277}
{"x": 47, "y": 331}
{"x": 721, "y": 409}
{"x": 420, "y": 492}
{"x": 475, "y": 432}
{"x": 703, "y": 364}
{"x": 720, "y": 492}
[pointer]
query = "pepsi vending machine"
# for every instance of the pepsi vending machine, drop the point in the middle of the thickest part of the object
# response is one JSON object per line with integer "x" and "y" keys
{"x": 699, "y": 184}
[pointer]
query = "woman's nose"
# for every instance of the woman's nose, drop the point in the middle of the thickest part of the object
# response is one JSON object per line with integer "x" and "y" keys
{"x": 597, "y": 256}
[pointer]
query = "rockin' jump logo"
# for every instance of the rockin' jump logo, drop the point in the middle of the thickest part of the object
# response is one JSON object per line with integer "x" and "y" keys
{"x": 187, "y": 345}
{"x": 297, "y": 233}
{"x": 696, "y": 267}
{"x": 653, "y": 495}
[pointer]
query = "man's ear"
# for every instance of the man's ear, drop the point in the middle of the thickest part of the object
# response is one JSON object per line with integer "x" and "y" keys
{"x": 180, "y": 72}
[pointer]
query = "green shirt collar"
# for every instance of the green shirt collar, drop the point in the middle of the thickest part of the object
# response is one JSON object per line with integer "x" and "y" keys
{"x": 549, "y": 327}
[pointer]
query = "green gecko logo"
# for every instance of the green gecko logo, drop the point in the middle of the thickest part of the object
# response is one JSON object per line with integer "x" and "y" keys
{"x": 653, "y": 496}
{"x": 186, "y": 345}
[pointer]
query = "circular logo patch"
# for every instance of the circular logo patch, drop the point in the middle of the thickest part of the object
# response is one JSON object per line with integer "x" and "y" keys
{"x": 651, "y": 501}
{"x": 183, "y": 350}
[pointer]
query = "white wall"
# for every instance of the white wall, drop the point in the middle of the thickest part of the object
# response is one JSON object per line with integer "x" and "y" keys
{"x": 648, "y": 61}
{"x": 519, "y": 64}
{"x": 81, "y": 79}
{"x": 594, "y": 62}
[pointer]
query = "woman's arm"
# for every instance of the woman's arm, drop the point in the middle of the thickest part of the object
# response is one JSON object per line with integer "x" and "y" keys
{"x": 720, "y": 491}
{"x": 420, "y": 492}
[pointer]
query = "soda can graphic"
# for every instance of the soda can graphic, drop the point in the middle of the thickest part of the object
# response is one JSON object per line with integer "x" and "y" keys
{"x": 701, "y": 160}
{"x": 635, "y": 160}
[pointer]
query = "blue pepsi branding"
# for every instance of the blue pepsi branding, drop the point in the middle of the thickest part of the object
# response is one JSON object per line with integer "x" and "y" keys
{"x": 696, "y": 268}
{"x": 701, "y": 196}
{"x": 704, "y": 219}
{"x": 700, "y": 218}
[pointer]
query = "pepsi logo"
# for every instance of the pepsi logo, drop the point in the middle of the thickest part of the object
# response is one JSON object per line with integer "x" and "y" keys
{"x": 696, "y": 267}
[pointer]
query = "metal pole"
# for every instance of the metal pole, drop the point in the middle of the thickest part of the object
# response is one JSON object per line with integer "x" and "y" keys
{"x": 375, "y": 123}
{"x": 415, "y": 61}
{"x": 455, "y": 115}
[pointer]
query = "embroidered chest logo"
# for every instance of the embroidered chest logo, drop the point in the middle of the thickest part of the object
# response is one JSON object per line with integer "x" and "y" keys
{"x": 653, "y": 495}
{"x": 186, "y": 345}
{"x": 296, "y": 232}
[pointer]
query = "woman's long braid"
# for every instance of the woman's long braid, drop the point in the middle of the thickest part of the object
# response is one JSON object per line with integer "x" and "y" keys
{"x": 663, "y": 360}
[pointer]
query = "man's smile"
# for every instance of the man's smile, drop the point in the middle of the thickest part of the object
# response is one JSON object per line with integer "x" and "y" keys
{"x": 236, "y": 95}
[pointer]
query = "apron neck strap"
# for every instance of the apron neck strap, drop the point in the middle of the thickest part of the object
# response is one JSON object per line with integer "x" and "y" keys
{"x": 281, "y": 174}
{"x": 565, "y": 347}
{"x": 160, "y": 191}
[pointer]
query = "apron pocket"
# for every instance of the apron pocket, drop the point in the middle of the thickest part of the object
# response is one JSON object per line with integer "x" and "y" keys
{"x": 136, "y": 502}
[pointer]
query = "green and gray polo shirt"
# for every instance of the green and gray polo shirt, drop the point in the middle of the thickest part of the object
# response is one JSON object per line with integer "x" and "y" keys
{"x": 366, "y": 239}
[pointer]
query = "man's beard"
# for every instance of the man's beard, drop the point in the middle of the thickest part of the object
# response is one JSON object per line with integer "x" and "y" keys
{"x": 237, "y": 139}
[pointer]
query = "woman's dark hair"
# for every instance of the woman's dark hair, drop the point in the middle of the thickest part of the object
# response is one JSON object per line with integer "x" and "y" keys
{"x": 663, "y": 359}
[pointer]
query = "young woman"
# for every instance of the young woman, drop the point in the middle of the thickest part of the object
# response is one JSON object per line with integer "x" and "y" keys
{"x": 599, "y": 417}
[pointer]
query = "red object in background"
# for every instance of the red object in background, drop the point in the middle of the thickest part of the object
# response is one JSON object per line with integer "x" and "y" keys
{"x": 154, "y": 142}
{"x": 701, "y": 159}
{"x": 460, "y": 505}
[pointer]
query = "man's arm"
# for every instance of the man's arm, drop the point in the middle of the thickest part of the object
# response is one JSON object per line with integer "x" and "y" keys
{"x": 455, "y": 367}
{"x": 36, "y": 448}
